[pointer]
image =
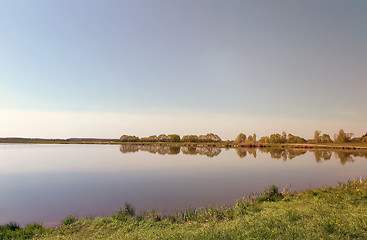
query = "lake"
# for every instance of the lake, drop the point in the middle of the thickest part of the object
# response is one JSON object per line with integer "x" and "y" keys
{"x": 46, "y": 183}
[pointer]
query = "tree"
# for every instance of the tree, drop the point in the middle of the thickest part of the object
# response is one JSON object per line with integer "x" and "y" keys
{"x": 210, "y": 137}
{"x": 153, "y": 138}
{"x": 185, "y": 138}
{"x": 127, "y": 138}
{"x": 162, "y": 138}
{"x": 190, "y": 138}
{"x": 316, "y": 136}
{"x": 275, "y": 138}
{"x": 290, "y": 138}
{"x": 240, "y": 138}
{"x": 295, "y": 139}
{"x": 325, "y": 138}
{"x": 342, "y": 137}
{"x": 173, "y": 138}
{"x": 283, "y": 139}
{"x": 264, "y": 139}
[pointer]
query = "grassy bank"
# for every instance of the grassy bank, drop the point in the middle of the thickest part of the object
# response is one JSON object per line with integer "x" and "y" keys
{"x": 327, "y": 213}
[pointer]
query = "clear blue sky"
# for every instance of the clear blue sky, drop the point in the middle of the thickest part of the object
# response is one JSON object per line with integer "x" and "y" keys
{"x": 105, "y": 68}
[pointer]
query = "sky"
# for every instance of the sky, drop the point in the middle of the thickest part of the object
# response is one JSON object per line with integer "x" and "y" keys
{"x": 107, "y": 68}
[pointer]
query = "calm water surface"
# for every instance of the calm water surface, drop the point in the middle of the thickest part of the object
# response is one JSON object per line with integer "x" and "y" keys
{"x": 45, "y": 183}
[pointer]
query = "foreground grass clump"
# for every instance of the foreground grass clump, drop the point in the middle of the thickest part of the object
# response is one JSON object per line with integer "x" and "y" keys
{"x": 69, "y": 220}
{"x": 13, "y": 231}
{"x": 328, "y": 213}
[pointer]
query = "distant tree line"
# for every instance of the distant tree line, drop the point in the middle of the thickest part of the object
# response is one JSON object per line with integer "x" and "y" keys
{"x": 210, "y": 137}
{"x": 284, "y": 138}
{"x": 340, "y": 137}
{"x": 242, "y": 139}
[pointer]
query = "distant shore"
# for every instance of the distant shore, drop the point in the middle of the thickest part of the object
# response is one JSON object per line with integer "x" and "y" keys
{"x": 222, "y": 144}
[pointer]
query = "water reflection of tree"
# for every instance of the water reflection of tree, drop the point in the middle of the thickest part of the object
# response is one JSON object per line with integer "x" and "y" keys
{"x": 322, "y": 155}
{"x": 189, "y": 150}
{"x": 242, "y": 151}
{"x": 285, "y": 154}
{"x": 208, "y": 151}
{"x": 172, "y": 150}
{"x": 344, "y": 156}
{"x": 292, "y": 153}
{"x": 129, "y": 148}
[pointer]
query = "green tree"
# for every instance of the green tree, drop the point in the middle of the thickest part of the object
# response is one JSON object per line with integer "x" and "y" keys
{"x": 264, "y": 139}
{"x": 295, "y": 139}
{"x": 153, "y": 138}
{"x": 342, "y": 137}
{"x": 213, "y": 137}
{"x": 173, "y": 138}
{"x": 283, "y": 138}
{"x": 290, "y": 138}
{"x": 127, "y": 138}
{"x": 325, "y": 138}
{"x": 316, "y": 136}
{"x": 162, "y": 138}
{"x": 275, "y": 138}
{"x": 240, "y": 138}
{"x": 190, "y": 138}
{"x": 210, "y": 137}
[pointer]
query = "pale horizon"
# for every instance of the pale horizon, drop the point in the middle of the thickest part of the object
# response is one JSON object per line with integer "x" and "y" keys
{"x": 69, "y": 125}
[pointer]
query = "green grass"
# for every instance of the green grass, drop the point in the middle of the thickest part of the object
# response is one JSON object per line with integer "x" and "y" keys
{"x": 13, "y": 231}
{"x": 327, "y": 213}
{"x": 69, "y": 220}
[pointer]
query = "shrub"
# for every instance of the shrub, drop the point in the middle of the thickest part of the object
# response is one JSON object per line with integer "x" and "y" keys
{"x": 127, "y": 211}
{"x": 248, "y": 144}
{"x": 34, "y": 226}
{"x": 69, "y": 220}
{"x": 155, "y": 217}
{"x": 271, "y": 194}
{"x": 13, "y": 231}
{"x": 12, "y": 226}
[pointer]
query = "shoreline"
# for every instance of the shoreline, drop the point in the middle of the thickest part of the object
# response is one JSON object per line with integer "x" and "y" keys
{"x": 306, "y": 146}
